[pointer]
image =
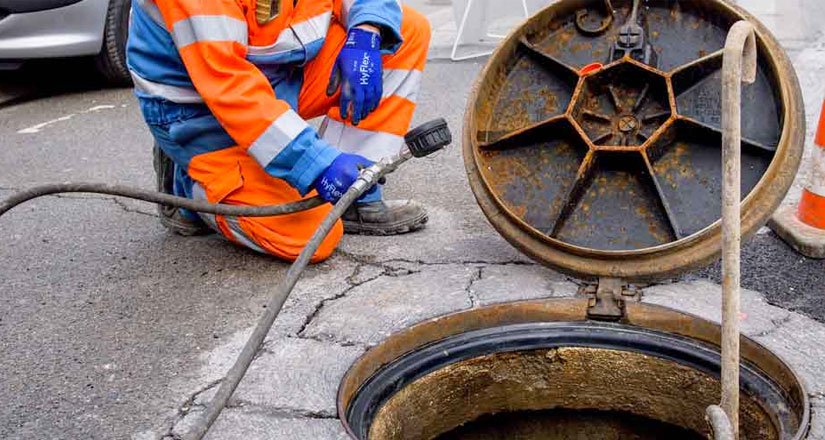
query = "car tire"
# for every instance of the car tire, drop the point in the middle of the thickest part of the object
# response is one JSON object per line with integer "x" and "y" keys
{"x": 111, "y": 61}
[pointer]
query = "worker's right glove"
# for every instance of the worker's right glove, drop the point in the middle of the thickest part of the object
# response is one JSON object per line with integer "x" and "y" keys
{"x": 341, "y": 174}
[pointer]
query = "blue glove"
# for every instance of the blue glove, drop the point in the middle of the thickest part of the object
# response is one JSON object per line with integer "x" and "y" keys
{"x": 358, "y": 71}
{"x": 341, "y": 174}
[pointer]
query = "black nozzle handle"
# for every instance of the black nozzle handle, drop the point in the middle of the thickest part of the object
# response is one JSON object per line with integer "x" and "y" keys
{"x": 428, "y": 138}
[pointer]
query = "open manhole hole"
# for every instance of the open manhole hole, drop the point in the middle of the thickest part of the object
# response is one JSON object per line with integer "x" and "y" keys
{"x": 542, "y": 371}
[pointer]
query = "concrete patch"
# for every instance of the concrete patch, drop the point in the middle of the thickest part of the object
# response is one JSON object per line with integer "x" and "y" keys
{"x": 507, "y": 283}
{"x": 374, "y": 310}
{"x": 703, "y": 298}
{"x": 216, "y": 363}
{"x": 296, "y": 375}
{"x": 296, "y": 378}
{"x": 333, "y": 279}
{"x": 799, "y": 342}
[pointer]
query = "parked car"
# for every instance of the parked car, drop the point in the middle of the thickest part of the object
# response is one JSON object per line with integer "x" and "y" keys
{"x": 38, "y": 29}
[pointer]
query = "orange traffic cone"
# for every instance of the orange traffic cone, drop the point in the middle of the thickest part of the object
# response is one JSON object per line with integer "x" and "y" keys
{"x": 804, "y": 228}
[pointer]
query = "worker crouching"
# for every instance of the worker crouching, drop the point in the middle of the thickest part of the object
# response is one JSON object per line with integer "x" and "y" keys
{"x": 226, "y": 86}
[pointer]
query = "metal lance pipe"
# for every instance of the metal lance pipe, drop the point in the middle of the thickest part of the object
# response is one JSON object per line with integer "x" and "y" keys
{"x": 738, "y": 67}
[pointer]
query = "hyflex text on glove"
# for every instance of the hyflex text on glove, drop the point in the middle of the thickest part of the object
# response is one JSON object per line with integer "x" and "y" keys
{"x": 360, "y": 70}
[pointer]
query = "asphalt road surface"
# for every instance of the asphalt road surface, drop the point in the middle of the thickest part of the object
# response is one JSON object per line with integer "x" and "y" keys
{"x": 104, "y": 316}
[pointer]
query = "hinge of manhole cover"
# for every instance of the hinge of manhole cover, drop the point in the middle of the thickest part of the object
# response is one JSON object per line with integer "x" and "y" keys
{"x": 607, "y": 299}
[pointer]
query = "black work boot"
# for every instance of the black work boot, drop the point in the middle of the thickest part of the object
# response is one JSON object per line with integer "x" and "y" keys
{"x": 170, "y": 217}
{"x": 391, "y": 217}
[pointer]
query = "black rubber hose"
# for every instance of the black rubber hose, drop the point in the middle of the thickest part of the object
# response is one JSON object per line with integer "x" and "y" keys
{"x": 159, "y": 198}
{"x": 368, "y": 178}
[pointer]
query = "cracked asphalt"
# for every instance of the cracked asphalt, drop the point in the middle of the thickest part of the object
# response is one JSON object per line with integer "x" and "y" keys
{"x": 112, "y": 328}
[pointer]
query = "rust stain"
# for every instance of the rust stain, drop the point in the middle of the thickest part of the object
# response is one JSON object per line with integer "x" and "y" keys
{"x": 569, "y": 377}
{"x": 580, "y": 47}
{"x": 559, "y": 41}
{"x": 675, "y": 165}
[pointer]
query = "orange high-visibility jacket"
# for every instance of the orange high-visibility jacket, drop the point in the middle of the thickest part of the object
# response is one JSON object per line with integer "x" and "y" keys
{"x": 246, "y": 69}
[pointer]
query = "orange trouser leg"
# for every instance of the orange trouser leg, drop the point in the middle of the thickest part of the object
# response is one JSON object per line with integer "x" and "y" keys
{"x": 233, "y": 177}
{"x": 381, "y": 134}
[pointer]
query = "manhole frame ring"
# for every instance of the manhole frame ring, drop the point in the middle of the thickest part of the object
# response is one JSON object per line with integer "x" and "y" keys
{"x": 645, "y": 316}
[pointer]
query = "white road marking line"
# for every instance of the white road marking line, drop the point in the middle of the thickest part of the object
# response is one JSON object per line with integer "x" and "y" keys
{"x": 39, "y": 127}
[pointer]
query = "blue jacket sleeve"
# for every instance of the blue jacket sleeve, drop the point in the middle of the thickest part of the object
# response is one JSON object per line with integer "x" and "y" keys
{"x": 385, "y": 14}
{"x": 303, "y": 160}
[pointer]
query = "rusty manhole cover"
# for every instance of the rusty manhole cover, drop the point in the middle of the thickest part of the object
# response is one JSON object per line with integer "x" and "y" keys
{"x": 616, "y": 170}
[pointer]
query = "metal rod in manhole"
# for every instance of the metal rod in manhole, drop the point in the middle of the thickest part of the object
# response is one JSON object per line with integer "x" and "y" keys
{"x": 738, "y": 67}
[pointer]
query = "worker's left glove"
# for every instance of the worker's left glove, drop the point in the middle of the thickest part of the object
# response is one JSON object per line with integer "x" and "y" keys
{"x": 358, "y": 71}
{"x": 341, "y": 174}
